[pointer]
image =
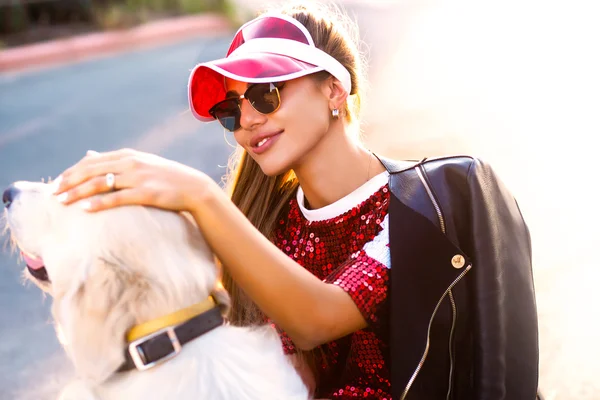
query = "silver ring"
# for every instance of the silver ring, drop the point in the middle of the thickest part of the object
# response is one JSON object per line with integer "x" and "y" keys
{"x": 110, "y": 180}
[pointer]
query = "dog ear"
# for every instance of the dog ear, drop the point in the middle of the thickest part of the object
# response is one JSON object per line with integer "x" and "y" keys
{"x": 94, "y": 314}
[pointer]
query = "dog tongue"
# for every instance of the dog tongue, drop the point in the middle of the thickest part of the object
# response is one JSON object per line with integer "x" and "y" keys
{"x": 33, "y": 263}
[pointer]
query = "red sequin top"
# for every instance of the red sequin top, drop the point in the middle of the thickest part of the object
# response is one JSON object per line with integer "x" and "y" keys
{"x": 346, "y": 244}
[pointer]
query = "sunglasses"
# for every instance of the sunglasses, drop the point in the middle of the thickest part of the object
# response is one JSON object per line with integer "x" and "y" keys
{"x": 263, "y": 97}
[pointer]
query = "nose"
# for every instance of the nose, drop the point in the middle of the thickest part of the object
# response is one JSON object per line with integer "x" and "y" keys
{"x": 9, "y": 195}
{"x": 250, "y": 117}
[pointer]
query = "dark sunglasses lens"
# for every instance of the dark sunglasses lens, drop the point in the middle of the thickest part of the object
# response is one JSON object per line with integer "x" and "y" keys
{"x": 264, "y": 97}
{"x": 228, "y": 113}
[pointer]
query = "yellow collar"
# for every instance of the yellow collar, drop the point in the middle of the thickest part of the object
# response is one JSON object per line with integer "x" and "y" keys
{"x": 176, "y": 318}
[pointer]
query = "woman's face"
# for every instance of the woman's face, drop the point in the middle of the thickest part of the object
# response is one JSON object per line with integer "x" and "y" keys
{"x": 299, "y": 124}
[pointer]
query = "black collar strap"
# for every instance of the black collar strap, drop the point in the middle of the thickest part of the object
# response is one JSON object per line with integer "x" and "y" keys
{"x": 166, "y": 343}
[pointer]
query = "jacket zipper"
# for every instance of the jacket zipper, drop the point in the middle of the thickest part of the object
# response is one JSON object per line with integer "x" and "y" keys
{"x": 421, "y": 171}
{"x": 438, "y": 210}
{"x": 450, "y": 344}
{"x": 447, "y": 292}
{"x": 424, "y": 357}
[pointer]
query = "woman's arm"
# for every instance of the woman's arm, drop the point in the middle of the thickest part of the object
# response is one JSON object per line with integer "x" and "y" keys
{"x": 309, "y": 310}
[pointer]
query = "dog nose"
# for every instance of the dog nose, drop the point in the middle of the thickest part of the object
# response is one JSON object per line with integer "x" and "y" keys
{"x": 9, "y": 195}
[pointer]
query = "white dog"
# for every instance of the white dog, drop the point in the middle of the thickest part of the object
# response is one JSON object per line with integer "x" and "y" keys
{"x": 112, "y": 270}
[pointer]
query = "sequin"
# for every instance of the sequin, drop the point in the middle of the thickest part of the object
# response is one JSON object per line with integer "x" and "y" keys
{"x": 333, "y": 250}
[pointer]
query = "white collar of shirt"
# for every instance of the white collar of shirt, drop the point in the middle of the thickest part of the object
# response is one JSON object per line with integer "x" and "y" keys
{"x": 344, "y": 204}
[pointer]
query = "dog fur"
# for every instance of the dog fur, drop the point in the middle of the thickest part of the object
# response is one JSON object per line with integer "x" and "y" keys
{"x": 114, "y": 269}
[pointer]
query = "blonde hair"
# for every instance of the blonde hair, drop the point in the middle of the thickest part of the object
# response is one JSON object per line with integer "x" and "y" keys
{"x": 263, "y": 198}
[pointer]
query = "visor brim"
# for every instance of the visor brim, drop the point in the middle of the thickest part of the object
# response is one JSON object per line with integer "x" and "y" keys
{"x": 206, "y": 86}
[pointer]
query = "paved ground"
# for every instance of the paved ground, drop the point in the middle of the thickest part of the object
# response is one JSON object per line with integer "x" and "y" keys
{"x": 85, "y": 46}
{"x": 444, "y": 80}
{"x": 47, "y": 122}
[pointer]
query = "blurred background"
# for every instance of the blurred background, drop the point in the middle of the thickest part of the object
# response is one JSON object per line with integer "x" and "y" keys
{"x": 514, "y": 82}
{"x": 31, "y": 21}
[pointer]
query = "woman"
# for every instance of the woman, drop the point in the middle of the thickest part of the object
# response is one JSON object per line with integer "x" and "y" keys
{"x": 305, "y": 236}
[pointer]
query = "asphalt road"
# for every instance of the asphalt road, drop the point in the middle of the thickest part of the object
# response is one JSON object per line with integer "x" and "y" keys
{"x": 48, "y": 120}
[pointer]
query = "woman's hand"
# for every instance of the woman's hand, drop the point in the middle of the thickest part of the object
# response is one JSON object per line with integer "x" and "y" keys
{"x": 140, "y": 179}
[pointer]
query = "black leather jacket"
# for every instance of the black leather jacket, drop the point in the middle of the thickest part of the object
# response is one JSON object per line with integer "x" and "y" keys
{"x": 463, "y": 314}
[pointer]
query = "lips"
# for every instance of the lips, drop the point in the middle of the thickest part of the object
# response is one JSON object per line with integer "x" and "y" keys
{"x": 262, "y": 143}
{"x": 259, "y": 138}
{"x": 35, "y": 266}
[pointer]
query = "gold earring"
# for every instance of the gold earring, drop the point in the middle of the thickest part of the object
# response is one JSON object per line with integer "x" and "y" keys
{"x": 335, "y": 113}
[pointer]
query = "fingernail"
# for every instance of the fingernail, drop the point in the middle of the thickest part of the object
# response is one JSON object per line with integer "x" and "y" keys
{"x": 92, "y": 153}
{"x": 62, "y": 197}
{"x": 56, "y": 183}
{"x": 85, "y": 204}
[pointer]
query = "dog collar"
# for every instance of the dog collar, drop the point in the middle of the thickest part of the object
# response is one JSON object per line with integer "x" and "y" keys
{"x": 161, "y": 339}
{"x": 176, "y": 318}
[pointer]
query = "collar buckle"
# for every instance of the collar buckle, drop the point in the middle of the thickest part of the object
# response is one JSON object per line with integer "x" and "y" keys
{"x": 137, "y": 353}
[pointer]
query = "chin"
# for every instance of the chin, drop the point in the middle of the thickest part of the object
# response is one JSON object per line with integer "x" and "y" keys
{"x": 273, "y": 164}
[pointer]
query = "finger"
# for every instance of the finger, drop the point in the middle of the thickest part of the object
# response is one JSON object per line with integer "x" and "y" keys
{"x": 96, "y": 185}
{"x": 92, "y": 158}
{"x": 131, "y": 196}
{"x": 56, "y": 183}
{"x": 110, "y": 155}
{"x": 113, "y": 155}
{"x": 81, "y": 173}
{"x": 91, "y": 187}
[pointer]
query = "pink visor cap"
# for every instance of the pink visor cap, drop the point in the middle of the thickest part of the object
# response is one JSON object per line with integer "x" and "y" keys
{"x": 270, "y": 48}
